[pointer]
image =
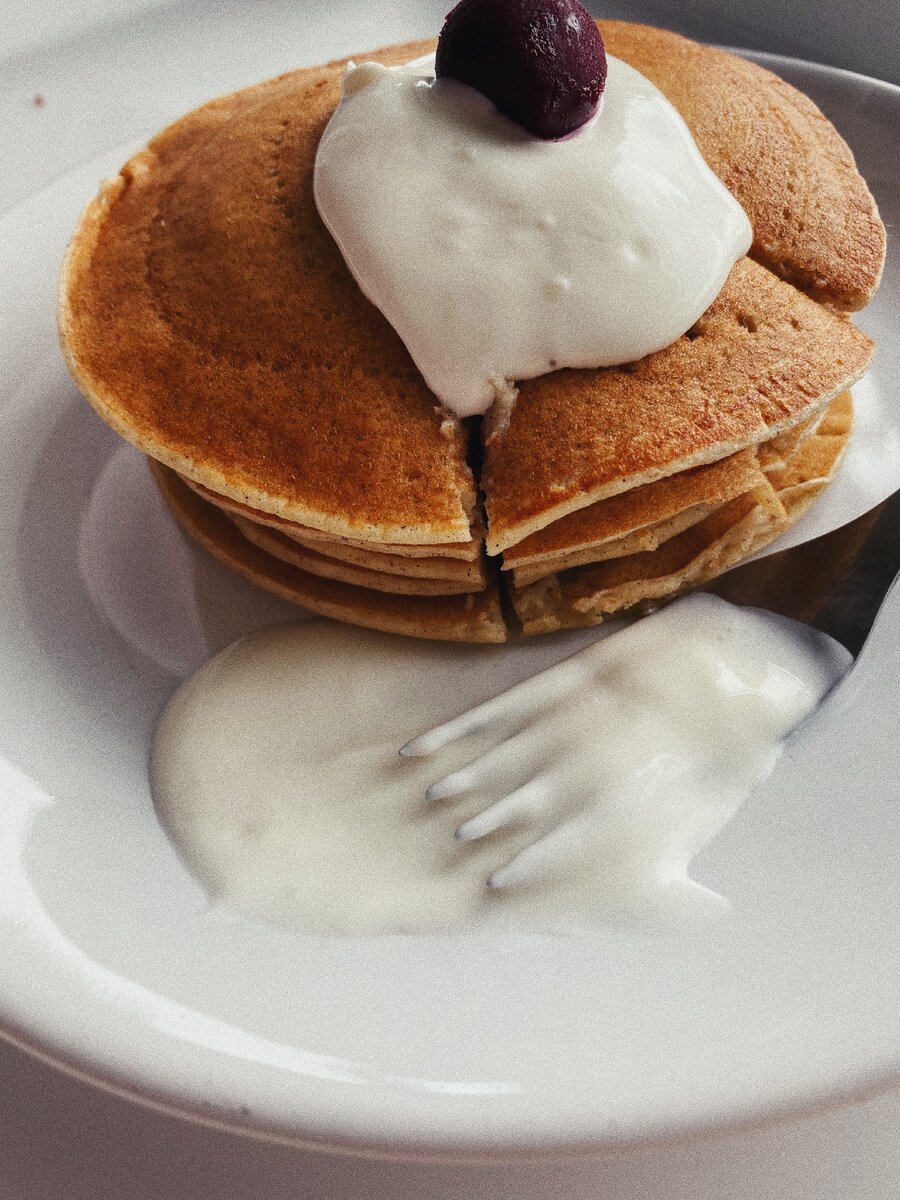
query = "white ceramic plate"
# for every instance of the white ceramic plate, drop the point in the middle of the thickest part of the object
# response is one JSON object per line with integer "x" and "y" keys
{"x": 116, "y": 967}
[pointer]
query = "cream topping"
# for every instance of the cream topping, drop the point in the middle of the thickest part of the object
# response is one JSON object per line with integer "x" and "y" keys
{"x": 498, "y": 256}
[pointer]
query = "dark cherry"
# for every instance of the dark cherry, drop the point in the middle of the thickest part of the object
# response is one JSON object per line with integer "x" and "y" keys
{"x": 541, "y": 62}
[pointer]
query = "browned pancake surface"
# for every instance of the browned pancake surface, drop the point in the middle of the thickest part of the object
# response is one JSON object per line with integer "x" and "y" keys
{"x": 466, "y": 552}
{"x": 762, "y": 359}
{"x": 210, "y": 318}
{"x": 587, "y": 595}
{"x": 638, "y": 509}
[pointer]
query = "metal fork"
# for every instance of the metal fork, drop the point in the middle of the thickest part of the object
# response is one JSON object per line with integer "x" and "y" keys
{"x": 838, "y": 584}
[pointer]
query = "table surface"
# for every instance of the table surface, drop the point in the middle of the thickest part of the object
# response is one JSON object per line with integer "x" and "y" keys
{"x": 62, "y": 1138}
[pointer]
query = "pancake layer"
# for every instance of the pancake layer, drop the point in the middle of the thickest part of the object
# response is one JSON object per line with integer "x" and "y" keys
{"x": 316, "y": 563}
{"x": 468, "y": 618}
{"x": 814, "y": 221}
{"x": 640, "y": 509}
{"x": 210, "y": 319}
{"x": 580, "y": 596}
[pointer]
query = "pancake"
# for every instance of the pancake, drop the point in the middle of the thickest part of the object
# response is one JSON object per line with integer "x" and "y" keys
{"x": 468, "y": 551}
{"x": 811, "y": 468}
{"x": 588, "y": 595}
{"x": 210, "y": 319}
{"x": 642, "y": 519}
{"x": 640, "y": 509}
{"x": 396, "y": 564}
{"x": 763, "y": 359}
{"x": 315, "y": 563}
{"x": 471, "y": 618}
{"x": 649, "y": 538}
{"x": 779, "y": 451}
{"x": 583, "y": 596}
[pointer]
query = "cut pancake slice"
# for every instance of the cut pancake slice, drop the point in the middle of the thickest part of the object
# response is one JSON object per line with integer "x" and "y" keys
{"x": 331, "y": 558}
{"x": 209, "y": 317}
{"x": 470, "y": 618}
{"x": 587, "y": 595}
{"x": 316, "y": 563}
{"x": 467, "y": 551}
{"x": 812, "y": 466}
{"x": 646, "y": 517}
{"x": 641, "y": 541}
{"x": 762, "y": 360}
{"x": 779, "y": 450}
{"x": 640, "y": 511}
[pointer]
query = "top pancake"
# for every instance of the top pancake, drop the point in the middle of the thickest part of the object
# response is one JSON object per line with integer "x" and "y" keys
{"x": 211, "y": 320}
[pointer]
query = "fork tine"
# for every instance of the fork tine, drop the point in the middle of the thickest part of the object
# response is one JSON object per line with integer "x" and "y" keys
{"x": 535, "y": 860}
{"x": 517, "y": 704}
{"x": 499, "y": 769}
{"x": 520, "y": 803}
{"x": 451, "y": 731}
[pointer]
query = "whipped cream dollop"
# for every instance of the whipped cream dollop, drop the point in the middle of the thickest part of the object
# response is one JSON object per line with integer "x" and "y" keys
{"x": 497, "y": 256}
{"x": 277, "y": 774}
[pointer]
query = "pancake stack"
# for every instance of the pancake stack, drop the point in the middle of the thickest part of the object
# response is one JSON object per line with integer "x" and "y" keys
{"x": 722, "y": 410}
{"x": 760, "y": 495}
{"x": 210, "y": 319}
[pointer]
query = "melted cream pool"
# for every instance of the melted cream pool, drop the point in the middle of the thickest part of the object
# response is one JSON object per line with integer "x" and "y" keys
{"x": 275, "y": 769}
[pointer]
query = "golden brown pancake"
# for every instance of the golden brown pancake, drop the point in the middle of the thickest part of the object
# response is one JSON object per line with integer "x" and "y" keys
{"x": 649, "y": 538}
{"x": 316, "y": 563}
{"x": 639, "y": 509}
{"x": 466, "y": 551}
{"x": 814, "y": 221}
{"x": 643, "y": 518}
{"x": 584, "y": 596}
{"x": 588, "y": 595}
{"x": 779, "y": 450}
{"x": 396, "y": 564}
{"x": 211, "y": 320}
{"x": 810, "y": 469}
{"x": 762, "y": 359}
{"x": 470, "y": 618}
